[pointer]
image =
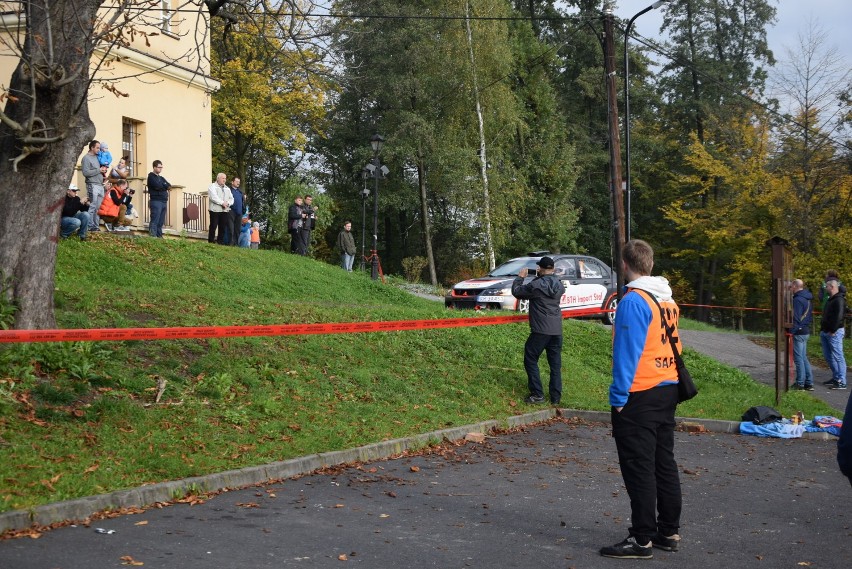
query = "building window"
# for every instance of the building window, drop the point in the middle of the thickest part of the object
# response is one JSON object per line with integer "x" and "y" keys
{"x": 166, "y": 16}
{"x": 130, "y": 133}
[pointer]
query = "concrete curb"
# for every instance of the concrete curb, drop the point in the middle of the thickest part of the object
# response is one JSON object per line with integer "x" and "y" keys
{"x": 82, "y": 508}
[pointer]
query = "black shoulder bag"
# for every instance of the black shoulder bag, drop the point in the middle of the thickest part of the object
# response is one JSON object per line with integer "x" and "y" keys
{"x": 686, "y": 389}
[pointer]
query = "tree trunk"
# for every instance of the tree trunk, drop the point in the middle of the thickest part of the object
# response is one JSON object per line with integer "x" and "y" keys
{"x": 424, "y": 215}
{"x": 34, "y": 187}
{"x": 483, "y": 161}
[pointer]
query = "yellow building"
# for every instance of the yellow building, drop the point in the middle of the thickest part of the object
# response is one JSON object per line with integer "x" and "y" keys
{"x": 165, "y": 114}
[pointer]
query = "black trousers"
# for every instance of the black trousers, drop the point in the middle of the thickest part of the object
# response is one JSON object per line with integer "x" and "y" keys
{"x": 218, "y": 219}
{"x": 644, "y": 437}
{"x": 305, "y": 239}
{"x": 235, "y": 221}
{"x": 537, "y": 343}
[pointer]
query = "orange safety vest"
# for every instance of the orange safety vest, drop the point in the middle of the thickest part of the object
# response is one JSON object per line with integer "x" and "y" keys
{"x": 657, "y": 363}
{"x": 108, "y": 207}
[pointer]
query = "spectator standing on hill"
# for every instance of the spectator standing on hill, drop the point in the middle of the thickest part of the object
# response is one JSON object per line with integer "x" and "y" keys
{"x": 75, "y": 215}
{"x": 832, "y": 332}
{"x": 93, "y": 172}
{"x": 643, "y": 396}
{"x": 295, "y": 217}
{"x": 545, "y": 317}
{"x": 803, "y": 314}
{"x": 237, "y": 210}
{"x": 255, "y": 235}
{"x": 346, "y": 244}
{"x": 245, "y": 233}
{"x": 220, "y": 199}
{"x": 158, "y": 199}
{"x": 309, "y": 223}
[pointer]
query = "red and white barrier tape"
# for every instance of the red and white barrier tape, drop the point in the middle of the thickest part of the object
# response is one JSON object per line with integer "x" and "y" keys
{"x": 189, "y": 332}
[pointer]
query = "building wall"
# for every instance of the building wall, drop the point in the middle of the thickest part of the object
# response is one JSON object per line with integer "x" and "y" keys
{"x": 168, "y": 100}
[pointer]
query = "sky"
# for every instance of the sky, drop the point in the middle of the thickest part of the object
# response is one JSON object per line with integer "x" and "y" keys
{"x": 834, "y": 16}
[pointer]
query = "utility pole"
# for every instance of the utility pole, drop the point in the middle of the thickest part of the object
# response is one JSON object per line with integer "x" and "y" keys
{"x": 614, "y": 145}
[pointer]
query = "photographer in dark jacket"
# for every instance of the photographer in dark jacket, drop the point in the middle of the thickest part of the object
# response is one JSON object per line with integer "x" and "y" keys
{"x": 544, "y": 293}
{"x": 75, "y": 215}
{"x": 309, "y": 223}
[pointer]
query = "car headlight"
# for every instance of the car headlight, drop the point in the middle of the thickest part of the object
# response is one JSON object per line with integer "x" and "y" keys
{"x": 497, "y": 292}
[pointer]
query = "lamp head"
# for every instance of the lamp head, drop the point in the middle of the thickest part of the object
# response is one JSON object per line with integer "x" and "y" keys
{"x": 376, "y": 142}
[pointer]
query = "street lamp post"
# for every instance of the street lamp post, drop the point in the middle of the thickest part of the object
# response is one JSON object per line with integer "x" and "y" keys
{"x": 627, "y": 184}
{"x": 376, "y": 170}
{"x": 365, "y": 193}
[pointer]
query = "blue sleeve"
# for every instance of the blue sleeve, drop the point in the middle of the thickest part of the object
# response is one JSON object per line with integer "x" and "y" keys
{"x": 632, "y": 319}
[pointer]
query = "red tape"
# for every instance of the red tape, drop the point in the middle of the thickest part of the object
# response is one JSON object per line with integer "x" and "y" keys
{"x": 188, "y": 332}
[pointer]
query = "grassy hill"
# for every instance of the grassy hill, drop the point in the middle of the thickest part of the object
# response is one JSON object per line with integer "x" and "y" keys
{"x": 78, "y": 419}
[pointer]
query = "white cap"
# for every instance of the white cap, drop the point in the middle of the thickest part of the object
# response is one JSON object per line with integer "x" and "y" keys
{"x": 73, "y": 187}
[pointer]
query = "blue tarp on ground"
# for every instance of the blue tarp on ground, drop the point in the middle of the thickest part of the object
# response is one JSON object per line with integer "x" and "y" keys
{"x": 777, "y": 429}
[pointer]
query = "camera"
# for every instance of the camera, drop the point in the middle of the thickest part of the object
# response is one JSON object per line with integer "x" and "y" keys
{"x": 132, "y": 192}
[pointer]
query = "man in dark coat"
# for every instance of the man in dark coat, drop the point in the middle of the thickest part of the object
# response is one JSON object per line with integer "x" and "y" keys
{"x": 803, "y": 315}
{"x": 831, "y": 334}
{"x": 543, "y": 293}
{"x": 295, "y": 217}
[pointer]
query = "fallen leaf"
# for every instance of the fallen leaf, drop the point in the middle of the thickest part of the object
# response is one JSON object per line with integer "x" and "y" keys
{"x": 339, "y": 506}
{"x": 142, "y": 523}
{"x": 92, "y": 468}
{"x": 415, "y": 469}
{"x": 128, "y": 560}
{"x": 342, "y": 557}
{"x": 384, "y": 515}
{"x": 248, "y": 505}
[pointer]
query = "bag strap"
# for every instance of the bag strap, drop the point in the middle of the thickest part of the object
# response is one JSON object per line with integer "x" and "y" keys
{"x": 669, "y": 328}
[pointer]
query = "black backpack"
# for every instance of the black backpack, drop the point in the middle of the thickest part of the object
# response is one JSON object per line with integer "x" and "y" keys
{"x": 760, "y": 415}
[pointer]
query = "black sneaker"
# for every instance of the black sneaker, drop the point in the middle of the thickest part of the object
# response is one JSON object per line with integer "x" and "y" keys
{"x": 829, "y": 382}
{"x": 809, "y": 388}
{"x": 666, "y": 542}
{"x": 628, "y": 549}
{"x": 534, "y": 399}
{"x": 798, "y": 387}
{"x": 838, "y": 386}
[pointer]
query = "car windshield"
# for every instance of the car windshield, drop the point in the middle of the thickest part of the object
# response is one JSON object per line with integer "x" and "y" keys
{"x": 511, "y": 268}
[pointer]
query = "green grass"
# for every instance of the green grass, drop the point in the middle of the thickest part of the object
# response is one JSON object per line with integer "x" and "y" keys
{"x": 78, "y": 419}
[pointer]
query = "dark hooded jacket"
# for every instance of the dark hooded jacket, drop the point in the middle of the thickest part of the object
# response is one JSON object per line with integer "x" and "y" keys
{"x": 803, "y": 312}
{"x": 844, "y": 445}
{"x": 544, "y": 293}
{"x": 832, "y": 316}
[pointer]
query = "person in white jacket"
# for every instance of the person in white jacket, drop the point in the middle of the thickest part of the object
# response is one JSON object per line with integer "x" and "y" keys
{"x": 220, "y": 199}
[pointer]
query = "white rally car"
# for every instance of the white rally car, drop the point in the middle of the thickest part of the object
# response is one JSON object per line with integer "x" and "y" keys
{"x": 589, "y": 284}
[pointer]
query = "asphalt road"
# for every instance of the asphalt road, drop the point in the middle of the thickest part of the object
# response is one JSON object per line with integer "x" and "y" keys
{"x": 738, "y": 351}
{"x": 547, "y": 496}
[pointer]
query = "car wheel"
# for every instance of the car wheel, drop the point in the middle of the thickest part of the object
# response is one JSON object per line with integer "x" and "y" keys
{"x": 609, "y": 317}
{"x": 523, "y": 305}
